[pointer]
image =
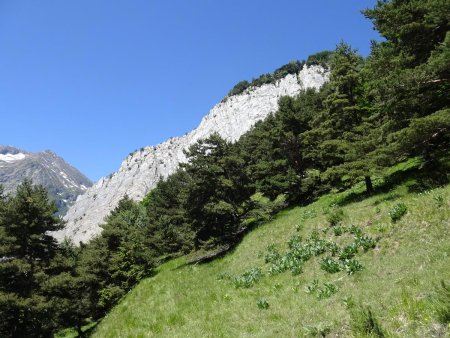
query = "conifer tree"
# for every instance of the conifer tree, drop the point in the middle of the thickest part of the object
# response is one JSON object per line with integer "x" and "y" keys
{"x": 26, "y": 254}
{"x": 218, "y": 188}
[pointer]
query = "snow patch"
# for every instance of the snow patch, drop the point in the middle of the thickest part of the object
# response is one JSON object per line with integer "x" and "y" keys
{"x": 12, "y": 157}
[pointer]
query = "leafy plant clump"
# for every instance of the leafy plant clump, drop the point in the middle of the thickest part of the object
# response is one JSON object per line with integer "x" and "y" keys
{"x": 338, "y": 230}
{"x": 321, "y": 292}
{"x": 327, "y": 291}
{"x": 330, "y": 265}
{"x": 262, "y": 304}
{"x": 366, "y": 242}
{"x": 248, "y": 278}
{"x": 352, "y": 265}
{"x": 348, "y": 252}
{"x": 335, "y": 216}
{"x": 397, "y": 212}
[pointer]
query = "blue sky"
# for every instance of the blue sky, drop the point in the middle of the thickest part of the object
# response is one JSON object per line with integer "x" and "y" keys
{"x": 95, "y": 80}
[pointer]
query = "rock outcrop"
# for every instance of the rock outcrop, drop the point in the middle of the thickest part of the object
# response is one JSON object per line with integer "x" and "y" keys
{"x": 63, "y": 182}
{"x": 141, "y": 170}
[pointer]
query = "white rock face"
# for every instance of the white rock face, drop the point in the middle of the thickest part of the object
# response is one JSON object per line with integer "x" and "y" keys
{"x": 141, "y": 171}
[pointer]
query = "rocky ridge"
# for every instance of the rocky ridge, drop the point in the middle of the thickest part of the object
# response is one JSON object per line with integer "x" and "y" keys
{"x": 141, "y": 170}
{"x": 63, "y": 182}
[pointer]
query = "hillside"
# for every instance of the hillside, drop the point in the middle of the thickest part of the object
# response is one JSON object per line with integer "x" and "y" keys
{"x": 63, "y": 182}
{"x": 399, "y": 280}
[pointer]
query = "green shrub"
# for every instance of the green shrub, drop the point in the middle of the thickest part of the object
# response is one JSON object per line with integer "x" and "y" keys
{"x": 338, "y": 230}
{"x": 224, "y": 276}
{"x": 364, "y": 324}
{"x": 397, "y": 212}
{"x": 335, "y": 216}
{"x": 239, "y": 88}
{"x": 294, "y": 241}
{"x": 321, "y": 58}
{"x": 348, "y": 252}
{"x": 355, "y": 230}
{"x": 352, "y": 265}
{"x": 366, "y": 242}
{"x": 273, "y": 255}
{"x": 262, "y": 304}
{"x": 327, "y": 291}
{"x": 330, "y": 265}
{"x": 248, "y": 278}
{"x": 312, "y": 287}
{"x": 333, "y": 248}
{"x": 438, "y": 200}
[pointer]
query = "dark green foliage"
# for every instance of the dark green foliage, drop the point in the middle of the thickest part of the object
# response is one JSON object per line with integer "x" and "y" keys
{"x": 326, "y": 291}
{"x": 311, "y": 288}
{"x": 348, "y": 252}
{"x": 338, "y": 230}
{"x": 365, "y": 242}
{"x": 248, "y": 278}
{"x": 330, "y": 265}
{"x": 217, "y": 191}
{"x": 364, "y": 323}
{"x": 262, "y": 303}
{"x": 397, "y": 212}
{"x": 29, "y": 257}
{"x": 335, "y": 216}
{"x": 355, "y": 230}
{"x": 239, "y": 88}
{"x": 168, "y": 223}
{"x": 293, "y": 67}
{"x": 351, "y": 266}
{"x": 321, "y": 58}
{"x": 120, "y": 257}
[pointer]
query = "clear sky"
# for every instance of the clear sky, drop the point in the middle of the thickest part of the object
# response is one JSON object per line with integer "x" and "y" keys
{"x": 94, "y": 80}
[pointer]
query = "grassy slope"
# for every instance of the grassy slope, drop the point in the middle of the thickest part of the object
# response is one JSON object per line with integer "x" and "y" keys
{"x": 398, "y": 278}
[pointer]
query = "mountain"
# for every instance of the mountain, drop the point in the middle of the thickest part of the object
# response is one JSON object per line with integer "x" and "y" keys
{"x": 141, "y": 170}
{"x": 63, "y": 182}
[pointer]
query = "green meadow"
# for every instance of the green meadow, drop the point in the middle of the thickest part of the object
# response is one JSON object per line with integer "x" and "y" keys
{"x": 395, "y": 291}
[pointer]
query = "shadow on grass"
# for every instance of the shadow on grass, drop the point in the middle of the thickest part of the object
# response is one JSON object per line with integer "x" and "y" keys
{"x": 417, "y": 175}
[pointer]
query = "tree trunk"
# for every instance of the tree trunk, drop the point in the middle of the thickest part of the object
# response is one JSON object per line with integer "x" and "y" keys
{"x": 369, "y": 186}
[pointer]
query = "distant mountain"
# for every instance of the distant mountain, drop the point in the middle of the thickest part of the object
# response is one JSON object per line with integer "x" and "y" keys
{"x": 63, "y": 182}
{"x": 142, "y": 169}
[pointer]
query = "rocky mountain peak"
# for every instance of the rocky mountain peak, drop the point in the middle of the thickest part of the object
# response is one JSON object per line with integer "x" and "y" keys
{"x": 63, "y": 182}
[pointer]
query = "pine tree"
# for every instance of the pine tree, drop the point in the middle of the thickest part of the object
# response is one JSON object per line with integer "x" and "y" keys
{"x": 218, "y": 188}
{"x": 408, "y": 77}
{"x": 26, "y": 251}
{"x": 169, "y": 226}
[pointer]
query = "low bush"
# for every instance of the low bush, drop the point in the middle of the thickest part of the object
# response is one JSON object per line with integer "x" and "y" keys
{"x": 248, "y": 278}
{"x": 335, "y": 216}
{"x": 397, "y": 212}
{"x": 330, "y": 265}
{"x": 262, "y": 304}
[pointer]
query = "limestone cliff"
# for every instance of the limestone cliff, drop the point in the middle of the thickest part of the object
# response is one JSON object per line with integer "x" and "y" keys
{"x": 141, "y": 171}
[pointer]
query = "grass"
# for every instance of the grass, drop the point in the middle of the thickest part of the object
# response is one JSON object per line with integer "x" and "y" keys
{"x": 398, "y": 282}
